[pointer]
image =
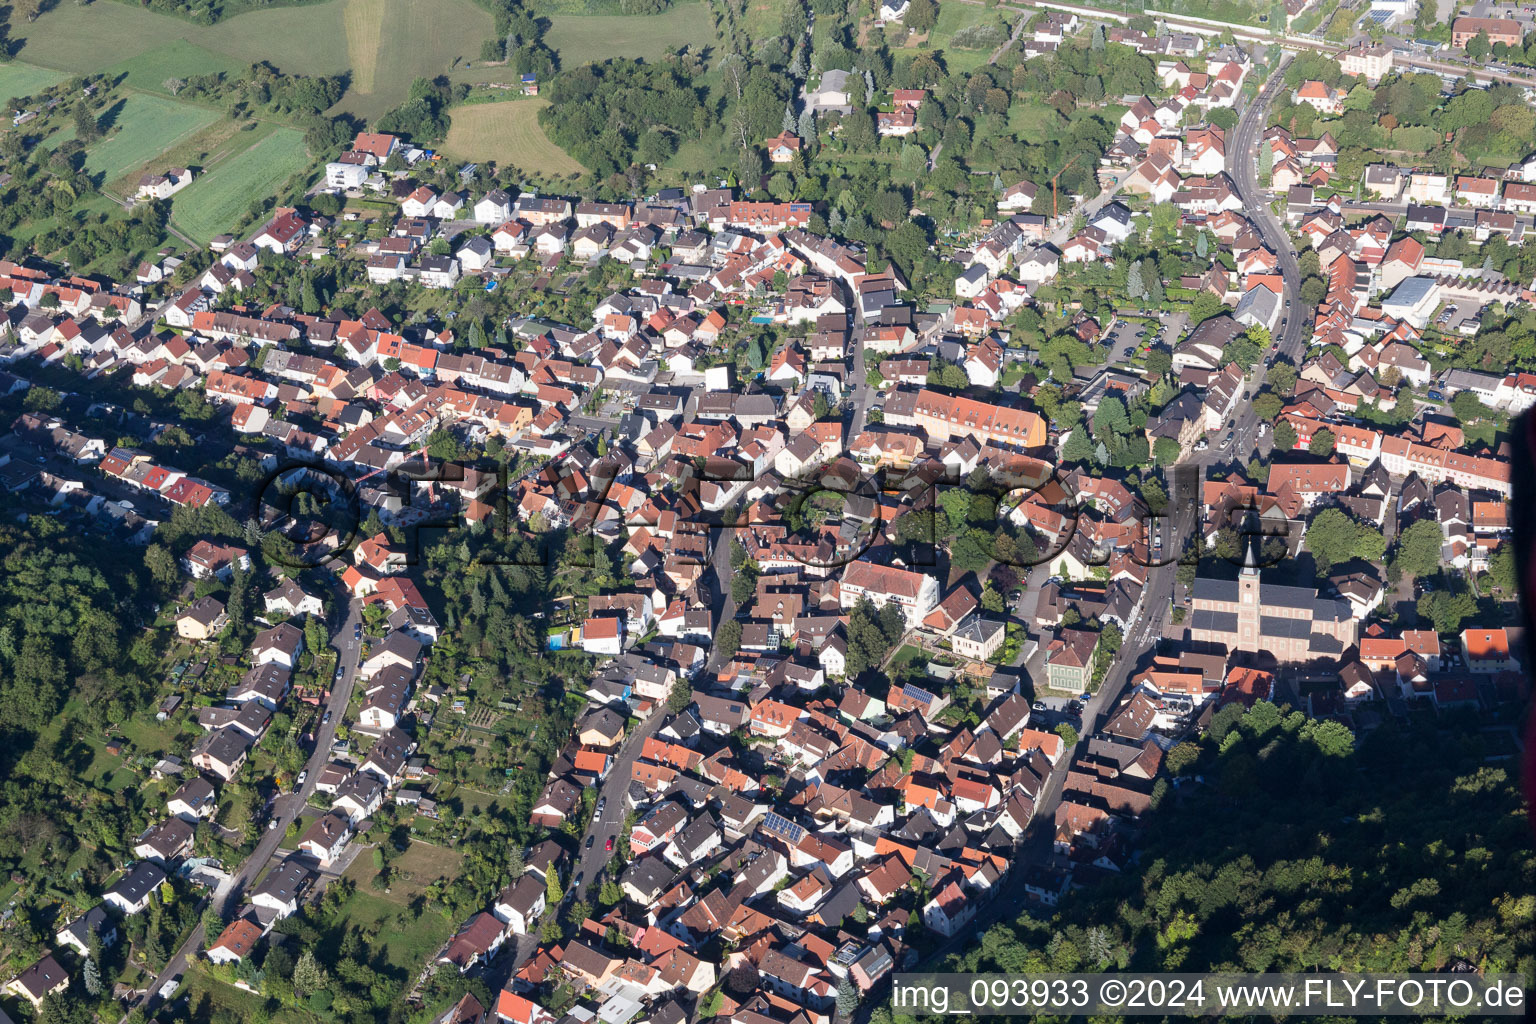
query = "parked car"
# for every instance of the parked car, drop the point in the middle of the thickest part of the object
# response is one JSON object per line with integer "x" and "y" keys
{"x": 303, "y": 775}
{"x": 271, "y": 824}
{"x": 608, "y": 846}
{"x": 589, "y": 842}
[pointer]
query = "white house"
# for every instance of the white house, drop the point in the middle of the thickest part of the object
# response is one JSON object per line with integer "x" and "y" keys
{"x": 131, "y": 893}
{"x": 345, "y": 176}
{"x": 475, "y": 255}
{"x": 521, "y": 904}
{"x": 495, "y": 208}
{"x": 603, "y": 634}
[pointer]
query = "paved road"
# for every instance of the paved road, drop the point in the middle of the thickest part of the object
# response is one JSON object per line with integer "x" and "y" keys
{"x": 594, "y": 854}
{"x": 1242, "y": 167}
{"x": 863, "y": 394}
{"x": 284, "y": 809}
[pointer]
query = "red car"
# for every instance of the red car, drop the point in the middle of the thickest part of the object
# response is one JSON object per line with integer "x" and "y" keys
{"x": 608, "y": 847}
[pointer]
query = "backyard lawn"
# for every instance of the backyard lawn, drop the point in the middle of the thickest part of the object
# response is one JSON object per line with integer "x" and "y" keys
{"x": 586, "y": 38}
{"x": 215, "y": 201}
{"x": 956, "y": 18}
{"x": 407, "y": 939}
{"x": 509, "y": 133}
{"x": 763, "y": 19}
{"x": 411, "y": 872}
{"x": 210, "y": 999}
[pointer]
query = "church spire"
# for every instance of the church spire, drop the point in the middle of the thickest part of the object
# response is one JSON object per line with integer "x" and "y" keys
{"x": 1251, "y": 558}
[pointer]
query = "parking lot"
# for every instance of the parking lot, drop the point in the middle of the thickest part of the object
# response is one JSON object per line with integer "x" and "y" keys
{"x": 1127, "y": 338}
{"x": 1049, "y": 712}
{"x": 1122, "y": 340}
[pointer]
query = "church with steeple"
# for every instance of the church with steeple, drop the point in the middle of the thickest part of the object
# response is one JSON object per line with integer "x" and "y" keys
{"x": 1293, "y": 624}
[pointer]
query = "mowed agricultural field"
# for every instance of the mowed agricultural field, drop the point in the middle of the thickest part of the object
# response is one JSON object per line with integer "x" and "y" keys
{"x": 150, "y": 70}
{"x": 386, "y": 44}
{"x": 588, "y": 38}
{"x": 202, "y": 151}
{"x": 215, "y": 201}
{"x": 144, "y": 127}
{"x": 17, "y": 79}
{"x": 93, "y": 38}
{"x": 391, "y": 43}
{"x": 509, "y": 133}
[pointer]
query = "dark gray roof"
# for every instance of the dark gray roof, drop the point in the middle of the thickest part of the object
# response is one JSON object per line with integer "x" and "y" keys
{"x": 1207, "y": 589}
{"x": 650, "y": 875}
{"x": 1219, "y": 622}
{"x": 94, "y": 920}
{"x": 1279, "y": 627}
{"x": 839, "y": 905}
{"x": 143, "y": 879}
{"x": 1275, "y": 596}
{"x": 286, "y": 881}
{"x": 1322, "y": 643}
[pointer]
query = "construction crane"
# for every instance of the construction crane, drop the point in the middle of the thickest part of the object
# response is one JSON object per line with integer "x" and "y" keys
{"x": 1053, "y": 186}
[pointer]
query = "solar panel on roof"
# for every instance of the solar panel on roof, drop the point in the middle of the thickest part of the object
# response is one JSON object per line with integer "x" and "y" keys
{"x": 782, "y": 826}
{"x": 917, "y": 693}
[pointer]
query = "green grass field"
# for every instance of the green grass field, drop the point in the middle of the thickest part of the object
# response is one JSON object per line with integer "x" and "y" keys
{"x": 93, "y": 38}
{"x": 763, "y": 19}
{"x": 203, "y": 150}
{"x": 17, "y": 79}
{"x": 411, "y": 872}
{"x": 150, "y": 70}
{"x": 407, "y": 940}
{"x": 509, "y": 133}
{"x": 408, "y": 39}
{"x": 585, "y": 38}
{"x": 1033, "y": 120}
{"x": 214, "y": 202}
{"x": 146, "y": 126}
